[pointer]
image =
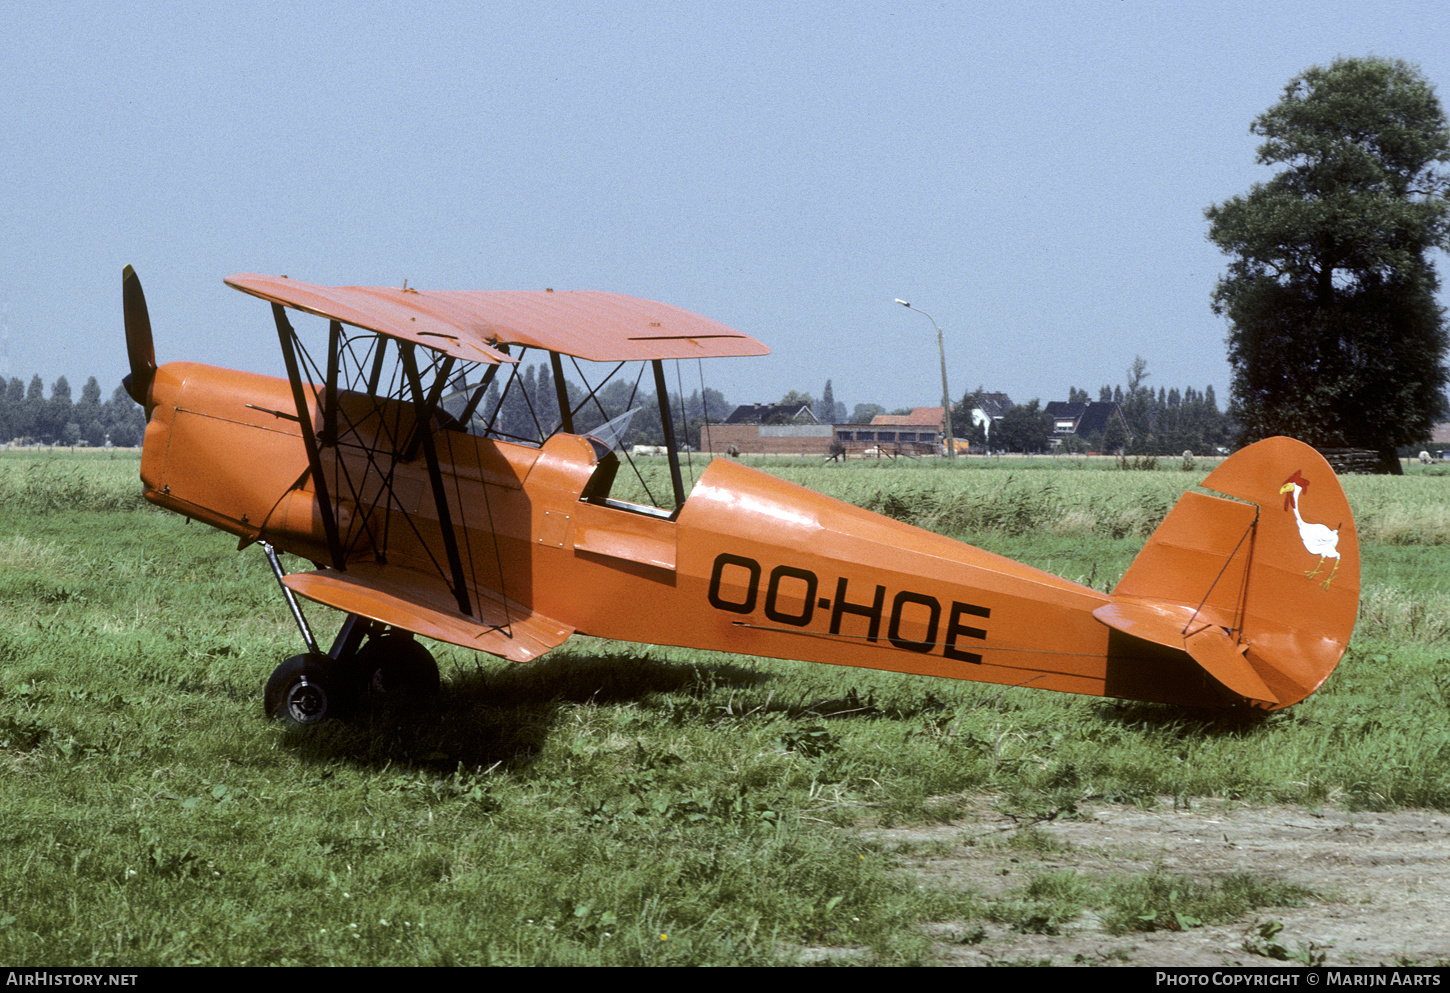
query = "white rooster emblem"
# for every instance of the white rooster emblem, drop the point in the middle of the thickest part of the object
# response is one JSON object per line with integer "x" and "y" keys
{"x": 1318, "y": 539}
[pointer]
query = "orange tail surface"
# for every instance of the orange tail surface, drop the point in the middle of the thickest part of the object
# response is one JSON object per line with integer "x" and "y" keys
{"x": 1261, "y": 594}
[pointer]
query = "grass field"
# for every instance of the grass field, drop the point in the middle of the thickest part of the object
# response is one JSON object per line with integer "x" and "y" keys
{"x": 615, "y": 804}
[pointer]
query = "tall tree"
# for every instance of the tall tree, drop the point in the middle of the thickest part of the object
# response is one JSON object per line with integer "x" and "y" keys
{"x": 794, "y": 400}
{"x": 32, "y": 412}
{"x": 12, "y": 410}
{"x": 1137, "y": 406}
{"x": 123, "y": 419}
{"x": 1024, "y": 428}
{"x": 1334, "y": 332}
{"x": 87, "y": 413}
{"x": 829, "y": 411}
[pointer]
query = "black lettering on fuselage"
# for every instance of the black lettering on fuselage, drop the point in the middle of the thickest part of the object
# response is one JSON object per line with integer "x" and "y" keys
{"x": 843, "y": 606}
{"x": 956, "y": 627}
{"x": 934, "y": 614}
{"x": 740, "y": 562}
{"x": 772, "y": 592}
{"x": 789, "y": 586}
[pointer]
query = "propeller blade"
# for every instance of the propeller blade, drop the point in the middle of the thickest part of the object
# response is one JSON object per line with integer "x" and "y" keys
{"x": 139, "y": 347}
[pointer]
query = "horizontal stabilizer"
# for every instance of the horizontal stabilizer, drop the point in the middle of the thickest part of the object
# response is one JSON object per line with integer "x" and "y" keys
{"x": 1180, "y": 627}
{"x": 423, "y": 604}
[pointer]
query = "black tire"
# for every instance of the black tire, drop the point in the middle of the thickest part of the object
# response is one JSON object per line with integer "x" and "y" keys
{"x": 302, "y": 691}
{"x": 396, "y": 667}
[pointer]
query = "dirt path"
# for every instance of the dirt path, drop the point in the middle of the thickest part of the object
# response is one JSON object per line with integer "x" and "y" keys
{"x": 1383, "y": 882}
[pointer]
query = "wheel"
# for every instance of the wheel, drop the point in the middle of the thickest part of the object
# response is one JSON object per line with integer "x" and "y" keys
{"x": 302, "y": 691}
{"x": 394, "y": 667}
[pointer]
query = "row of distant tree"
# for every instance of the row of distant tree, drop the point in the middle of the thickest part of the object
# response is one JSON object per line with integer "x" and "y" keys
{"x": 27, "y": 415}
{"x": 1167, "y": 422}
{"x": 1162, "y": 422}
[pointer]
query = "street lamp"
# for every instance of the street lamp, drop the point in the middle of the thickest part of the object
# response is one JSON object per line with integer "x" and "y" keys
{"x": 946, "y": 398}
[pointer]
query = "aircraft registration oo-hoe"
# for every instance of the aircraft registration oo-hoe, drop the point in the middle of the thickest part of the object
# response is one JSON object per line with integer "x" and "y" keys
{"x": 384, "y": 463}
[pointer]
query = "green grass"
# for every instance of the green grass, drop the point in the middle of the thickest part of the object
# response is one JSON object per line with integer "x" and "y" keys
{"x": 1053, "y": 900}
{"x": 88, "y": 479}
{"x": 608, "y": 804}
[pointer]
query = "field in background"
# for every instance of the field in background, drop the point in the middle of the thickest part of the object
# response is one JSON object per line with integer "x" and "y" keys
{"x": 616, "y": 804}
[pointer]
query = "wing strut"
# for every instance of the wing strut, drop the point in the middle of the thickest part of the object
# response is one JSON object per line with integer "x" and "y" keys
{"x": 329, "y": 405}
{"x": 435, "y": 475}
{"x": 663, "y": 394}
{"x": 561, "y": 389}
{"x": 426, "y": 406}
{"x": 285, "y": 334}
{"x": 466, "y": 418}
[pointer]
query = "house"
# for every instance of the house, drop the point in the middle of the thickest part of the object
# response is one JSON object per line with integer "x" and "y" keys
{"x": 989, "y": 409}
{"x": 925, "y": 417}
{"x": 768, "y": 429}
{"x": 1085, "y": 420}
{"x": 772, "y": 413}
{"x": 916, "y": 433}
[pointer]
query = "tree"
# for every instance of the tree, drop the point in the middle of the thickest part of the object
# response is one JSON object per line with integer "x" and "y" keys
{"x": 123, "y": 419}
{"x": 87, "y": 413}
{"x": 1115, "y": 437}
{"x": 55, "y": 414}
{"x": 1138, "y": 407}
{"x": 797, "y": 400}
{"x": 964, "y": 422}
{"x": 1024, "y": 428}
{"x": 1334, "y": 332}
{"x": 864, "y": 412}
{"x": 516, "y": 407}
{"x": 32, "y": 411}
{"x": 830, "y": 411}
{"x": 711, "y": 407}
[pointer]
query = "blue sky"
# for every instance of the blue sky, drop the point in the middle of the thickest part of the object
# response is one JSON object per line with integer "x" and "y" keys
{"x": 1032, "y": 175}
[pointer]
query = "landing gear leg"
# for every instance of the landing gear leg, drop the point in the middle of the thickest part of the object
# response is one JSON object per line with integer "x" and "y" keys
{"x": 367, "y": 661}
{"x": 309, "y": 688}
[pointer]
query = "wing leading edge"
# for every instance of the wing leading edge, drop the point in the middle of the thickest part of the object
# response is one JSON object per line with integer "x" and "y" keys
{"x": 593, "y": 325}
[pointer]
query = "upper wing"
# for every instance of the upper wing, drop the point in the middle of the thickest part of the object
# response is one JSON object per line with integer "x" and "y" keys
{"x": 587, "y": 324}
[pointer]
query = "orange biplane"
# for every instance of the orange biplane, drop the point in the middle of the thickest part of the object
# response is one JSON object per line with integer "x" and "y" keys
{"x": 384, "y": 463}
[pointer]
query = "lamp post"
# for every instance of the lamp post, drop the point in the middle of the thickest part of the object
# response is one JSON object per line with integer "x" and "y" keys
{"x": 946, "y": 398}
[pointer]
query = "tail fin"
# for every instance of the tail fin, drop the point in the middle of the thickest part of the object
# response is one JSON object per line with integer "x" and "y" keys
{"x": 1261, "y": 594}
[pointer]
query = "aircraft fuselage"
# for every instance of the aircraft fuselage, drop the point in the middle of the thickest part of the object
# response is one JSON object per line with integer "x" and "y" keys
{"x": 750, "y": 563}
